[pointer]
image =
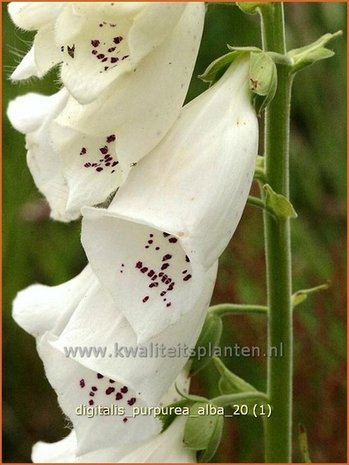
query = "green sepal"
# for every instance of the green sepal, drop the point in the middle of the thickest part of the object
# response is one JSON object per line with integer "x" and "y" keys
{"x": 278, "y": 204}
{"x": 210, "y": 337}
{"x": 230, "y": 383}
{"x": 311, "y": 53}
{"x": 190, "y": 397}
{"x": 262, "y": 79}
{"x": 217, "y": 68}
{"x": 167, "y": 420}
{"x": 203, "y": 432}
{"x": 300, "y": 296}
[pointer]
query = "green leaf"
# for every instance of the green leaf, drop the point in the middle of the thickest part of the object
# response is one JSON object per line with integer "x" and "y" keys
{"x": 262, "y": 79}
{"x": 230, "y": 383}
{"x": 203, "y": 431}
{"x": 278, "y": 204}
{"x": 209, "y": 338}
{"x": 301, "y": 295}
{"x": 309, "y": 54}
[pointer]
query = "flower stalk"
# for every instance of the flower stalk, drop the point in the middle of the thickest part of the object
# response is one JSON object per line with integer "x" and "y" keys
{"x": 278, "y": 428}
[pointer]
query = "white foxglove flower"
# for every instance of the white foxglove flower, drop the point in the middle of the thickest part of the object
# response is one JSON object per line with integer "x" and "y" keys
{"x": 80, "y": 154}
{"x": 96, "y": 42}
{"x": 32, "y": 114}
{"x": 166, "y": 447}
{"x": 178, "y": 209}
{"x": 81, "y": 313}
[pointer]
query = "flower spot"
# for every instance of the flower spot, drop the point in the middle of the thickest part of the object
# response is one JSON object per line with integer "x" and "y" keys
{"x": 104, "y": 150}
{"x": 82, "y": 383}
{"x": 71, "y": 51}
{"x": 109, "y": 390}
{"x": 111, "y": 138}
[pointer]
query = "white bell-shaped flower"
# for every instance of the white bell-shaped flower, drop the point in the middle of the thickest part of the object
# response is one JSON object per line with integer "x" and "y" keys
{"x": 92, "y": 358}
{"x": 99, "y": 42}
{"x": 80, "y": 154}
{"x": 178, "y": 209}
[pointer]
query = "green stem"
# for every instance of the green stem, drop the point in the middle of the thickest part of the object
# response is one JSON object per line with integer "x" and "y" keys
{"x": 259, "y": 203}
{"x": 237, "y": 309}
{"x": 278, "y": 428}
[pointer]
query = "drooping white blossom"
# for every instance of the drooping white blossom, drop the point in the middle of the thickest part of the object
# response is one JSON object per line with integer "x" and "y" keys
{"x": 80, "y": 154}
{"x": 96, "y": 42}
{"x": 80, "y": 313}
{"x": 178, "y": 209}
{"x": 166, "y": 447}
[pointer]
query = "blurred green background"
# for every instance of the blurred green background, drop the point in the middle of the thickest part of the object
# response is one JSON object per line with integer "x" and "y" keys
{"x": 36, "y": 249}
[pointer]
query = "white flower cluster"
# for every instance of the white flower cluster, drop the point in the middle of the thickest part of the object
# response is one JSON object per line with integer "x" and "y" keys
{"x": 178, "y": 176}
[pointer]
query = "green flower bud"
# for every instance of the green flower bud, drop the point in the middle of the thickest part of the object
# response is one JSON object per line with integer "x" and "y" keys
{"x": 203, "y": 429}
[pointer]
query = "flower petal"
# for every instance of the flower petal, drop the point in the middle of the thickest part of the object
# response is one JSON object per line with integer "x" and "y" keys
{"x": 89, "y": 164}
{"x": 79, "y": 388}
{"x": 128, "y": 255}
{"x": 166, "y": 447}
{"x": 62, "y": 451}
{"x": 46, "y": 52}
{"x": 96, "y": 166}
{"x": 39, "y": 308}
{"x": 195, "y": 183}
{"x": 152, "y": 25}
{"x": 34, "y": 15}
{"x": 99, "y": 51}
{"x": 29, "y": 111}
{"x": 26, "y": 68}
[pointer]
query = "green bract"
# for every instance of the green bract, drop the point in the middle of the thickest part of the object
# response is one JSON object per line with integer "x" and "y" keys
{"x": 278, "y": 204}
{"x": 209, "y": 338}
